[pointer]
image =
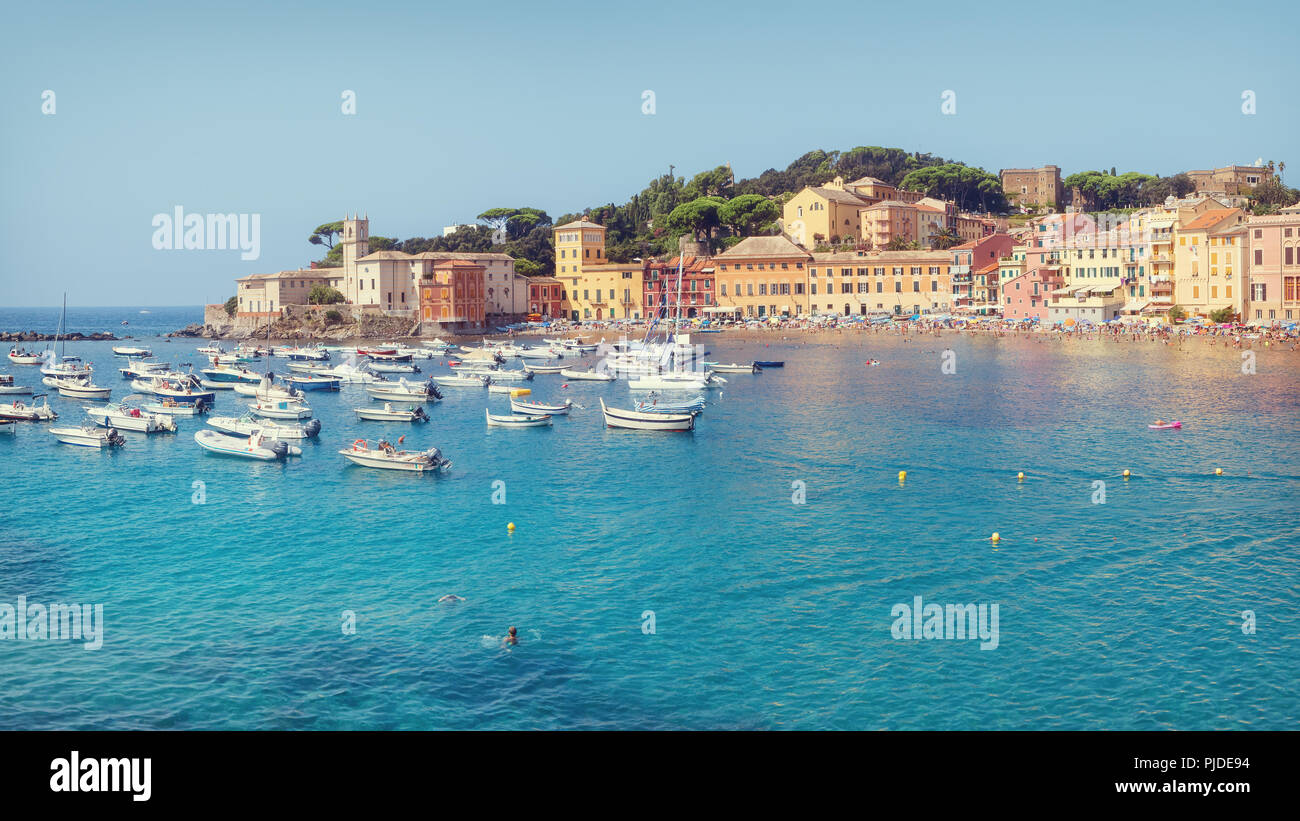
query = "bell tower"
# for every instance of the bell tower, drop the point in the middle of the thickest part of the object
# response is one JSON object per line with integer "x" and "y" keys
{"x": 356, "y": 242}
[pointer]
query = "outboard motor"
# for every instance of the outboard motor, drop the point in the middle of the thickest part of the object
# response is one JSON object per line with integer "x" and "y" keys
{"x": 312, "y": 428}
{"x": 115, "y": 438}
{"x": 432, "y": 391}
{"x": 280, "y": 449}
{"x": 415, "y": 369}
{"x": 420, "y": 415}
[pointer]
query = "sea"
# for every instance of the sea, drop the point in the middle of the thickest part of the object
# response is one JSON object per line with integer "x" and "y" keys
{"x": 748, "y": 575}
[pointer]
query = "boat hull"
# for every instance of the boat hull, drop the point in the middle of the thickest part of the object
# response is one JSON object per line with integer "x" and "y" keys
{"x": 636, "y": 420}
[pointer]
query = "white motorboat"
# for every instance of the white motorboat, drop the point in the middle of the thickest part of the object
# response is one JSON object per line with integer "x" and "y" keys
{"x": 682, "y": 381}
{"x": 393, "y": 367}
{"x": 89, "y": 436}
{"x": 388, "y": 413}
{"x": 508, "y": 376}
{"x": 69, "y": 369}
{"x": 245, "y": 426}
{"x": 267, "y": 389}
{"x": 129, "y": 417}
{"x": 530, "y": 408}
{"x": 350, "y": 374}
{"x": 591, "y": 375}
{"x": 312, "y": 382}
{"x": 82, "y": 389}
{"x": 183, "y": 387}
{"x": 130, "y": 350}
{"x": 254, "y": 446}
{"x": 280, "y": 409}
{"x": 211, "y": 350}
{"x": 7, "y": 386}
{"x": 386, "y": 457}
{"x": 734, "y": 368}
{"x": 23, "y": 412}
{"x": 307, "y": 367}
{"x": 140, "y": 369}
{"x": 539, "y": 353}
{"x": 20, "y": 356}
{"x": 461, "y": 381}
{"x": 170, "y": 407}
{"x": 544, "y": 369}
{"x": 515, "y": 421}
{"x": 216, "y": 386}
{"x": 637, "y": 420}
{"x": 231, "y": 373}
{"x": 404, "y": 391}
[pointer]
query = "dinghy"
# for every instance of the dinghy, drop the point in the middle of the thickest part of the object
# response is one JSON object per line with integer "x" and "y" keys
{"x": 386, "y": 457}
{"x": 89, "y": 436}
{"x": 525, "y": 421}
{"x": 411, "y": 413}
{"x": 382, "y": 366}
{"x": 638, "y": 420}
{"x": 768, "y": 363}
{"x": 253, "y": 446}
{"x": 529, "y": 408}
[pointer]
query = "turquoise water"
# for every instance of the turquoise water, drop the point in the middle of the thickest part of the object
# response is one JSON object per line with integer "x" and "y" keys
{"x": 768, "y": 614}
{"x": 140, "y": 322}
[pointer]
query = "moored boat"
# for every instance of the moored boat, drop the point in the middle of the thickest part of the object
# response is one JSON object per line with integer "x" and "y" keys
{"x": 245, "y": 426}
{"x": 21, "y": 356}
{"x": 312, "y": 382}
{"x": 253, "y": 446}
{"x": 517, "y": 421}
{"x": 82, "y": 389}
{"x": 170, "y": 407}
{"x": 384, "y": 456}
{"x": 404, "y": 391}
{"x": 638, "y": 420}
{"x": 591, "y": 375}
{"x": 532, "y": 408}
{"x": 461, "y": 381}
{"x": 131, "y": 350}
{"x": 89, "y": 436}
{"x": 734, "y": 368}
{"x": 7, "y": 385}
{"x": 543, "y": 369}
{"x": 124, "y": 416}
{"x": 23, "y": 412}
{"x": 388, "y": 413}
{"x": 280, "y": 409}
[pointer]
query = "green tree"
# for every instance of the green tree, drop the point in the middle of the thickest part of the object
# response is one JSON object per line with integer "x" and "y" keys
{"x": 325, "y": 233}
{"x": 698, "y": 217}
{"x": 231, "y": 306}
{"x": 1176, "y": 313}
{"x": 1222, "y": 315}
{"x": 747, "y": 213}
{"x": 970, "y": 188}
{"x": 322, "y": 294}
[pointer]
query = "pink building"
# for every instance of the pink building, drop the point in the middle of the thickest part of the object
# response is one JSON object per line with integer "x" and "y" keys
{"x": 1273, "y": 294}
{"x": 973, "y": 256}
{"x": 1026, "y": 296}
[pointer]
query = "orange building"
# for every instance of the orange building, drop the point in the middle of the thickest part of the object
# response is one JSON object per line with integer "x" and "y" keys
{"x": 546, "y": 297}
{"x": 452, "y": 294}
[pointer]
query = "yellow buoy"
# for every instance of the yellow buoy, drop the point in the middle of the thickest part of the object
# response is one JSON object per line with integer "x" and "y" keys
{"x": 1126, "y": 473}
{"x": 511, "y": 527}
{"x": 1218, "y": 471}
{"x": 995, "y": 537}
{"x": 902, "y": 475}
{"x": 1020, "y": 476}
{"x": 517, "y": 392}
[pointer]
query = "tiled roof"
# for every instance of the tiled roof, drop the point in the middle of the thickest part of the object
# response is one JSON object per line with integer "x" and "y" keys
{"x": 836, "y": 195}
{"x": 579, "y": 224}
{"x": 763, "y": 247}
{"x": 1209, "y": 219}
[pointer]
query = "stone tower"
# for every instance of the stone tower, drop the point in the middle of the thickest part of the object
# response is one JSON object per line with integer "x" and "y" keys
{"x": 356, "y": 242}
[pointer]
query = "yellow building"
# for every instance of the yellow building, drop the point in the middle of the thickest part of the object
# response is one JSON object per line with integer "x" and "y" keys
{"x": 901, "y": 283}
{"x": 763, "y": 276}
{"x": 1210, "y": 262}
{"x": 823, "y": 214}
{"x": 597, "y": 288}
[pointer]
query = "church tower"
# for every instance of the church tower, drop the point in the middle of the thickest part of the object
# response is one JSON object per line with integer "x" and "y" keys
{"x": 356, "y": 242}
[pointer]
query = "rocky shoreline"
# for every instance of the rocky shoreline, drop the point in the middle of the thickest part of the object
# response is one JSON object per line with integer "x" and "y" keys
{"x": 33, "y": 336}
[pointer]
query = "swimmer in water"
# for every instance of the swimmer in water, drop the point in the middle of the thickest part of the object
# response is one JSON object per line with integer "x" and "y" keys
{"x": 1160, "y": 421}
{"x": 511, "y": 638}
{"x": 450, "y": 598}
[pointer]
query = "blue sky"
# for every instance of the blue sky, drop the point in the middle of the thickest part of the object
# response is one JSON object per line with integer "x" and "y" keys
{"x": 236, "y": 107}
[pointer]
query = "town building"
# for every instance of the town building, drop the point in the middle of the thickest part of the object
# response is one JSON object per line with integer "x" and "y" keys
{"x": 265, "y": 294}
{"x": 974, "y": 263}
{"x": 901, "y": 283}
{"x": 1229, "y": 181}
{"x": 1033, "y": 187}
{"x": 1274, "y": 255}
{"x": 547, "y": 298}
{"x": 763, "y": 276}
{"x": 696, "y": 289}
{"x": 1210, "y": 262}
{"x": 597, "y": 288}
{"x": 823, "y": 214}
{"x": 452, "y": 295}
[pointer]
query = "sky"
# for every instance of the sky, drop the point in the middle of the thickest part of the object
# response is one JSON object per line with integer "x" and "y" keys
{"x": 237, "y": 107}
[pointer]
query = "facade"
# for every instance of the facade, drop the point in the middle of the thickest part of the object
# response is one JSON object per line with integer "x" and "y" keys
{"x": 763, "y": 276}
{"x": 902, "y": 283}
{"x": 888, "y": 221}
{"x": 976, "y": 258}
{"x": 1274, "y": 254}
{"x": 1229, "y": 181}
{"x": 452, "y": 294}
{"x": 547, "y": 297}
{"x": 266, "y": 294}
{"x": 1210, "y": 262}
{"x": 1033, "y": 187}
{"x": 1028, "y": 295}
{"x": 698, "y": 288}
{"x": 826, "y": 213}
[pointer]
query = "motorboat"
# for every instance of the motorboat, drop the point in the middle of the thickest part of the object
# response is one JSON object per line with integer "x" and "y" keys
{"x": 20, "y": 356}
{"x": 211, "y": 350}
{"x": 533, "y": 408}
{"x": 734, "y": 368}
{"x": 769, "y": 363}
{"x": 590, "y": 375}
{"x": 254, "y": 446}
{"x": 171, "y": 407}
{"x": 23, "y": 412}
{"x": 508, "y": 375}
{"x": 245, "y": 425}
{"x": 543, "y": 369}
{"x": 516, "y": 421}
{"x": 129, "y": 417}
{"x": 267, "y": 389}
{"x": 312, "y": 382}
{"x": 140, "y": 369}
{"x": 217, "y": 386}
{"x": 386, "y": 457}
{"x": 68, "y": 369}
{"x": 182, "y": 387}
{"x": 388, "y": 413}
{"x": 307, "y": 354}
{"x": 373, "y": 351}
{"x": 688, "y": 381}
{"x": 654, "y": 403}
{"x": 462, "y": 381}
{"x": 82, "y": 389}
{"x": 89, "y": 436}
{"x": 350, "y": 374}
{"x": 7, "y": 386}
{"x": 638, "y": 420}
{"x": 539, "y": 353}
{"x": 280, "y": 409}
{"x": 307, "y": 367}
{"x": 404, "y": 391}
{"x": 220, "y": 372}
{"x": 386, "y": 366}
{"x": 130, "y": 350}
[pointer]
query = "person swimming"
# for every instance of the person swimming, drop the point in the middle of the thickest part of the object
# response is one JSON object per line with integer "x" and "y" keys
{"x": 1160, "y": 422}
{"x": 450, "y": 598}
{"x": 511, "y": 637}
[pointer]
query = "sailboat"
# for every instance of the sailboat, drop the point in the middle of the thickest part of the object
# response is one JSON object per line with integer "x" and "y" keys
{"x": 63, "y": 366}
